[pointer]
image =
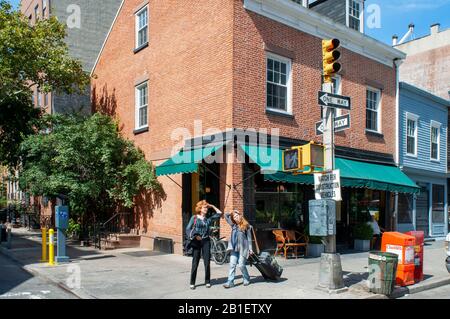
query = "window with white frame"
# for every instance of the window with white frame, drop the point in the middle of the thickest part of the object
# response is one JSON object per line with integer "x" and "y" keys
{"x": 355, "y": 15}
{"x": 373, "y": 110}
{"x": 142, "y": 106}
{"x": 435, "y": 139}
{"x": 412, "y": 121}
{"x": 142, "y": 27}
{"x": 44, "y": 8}
{"x": 278, "y": 84}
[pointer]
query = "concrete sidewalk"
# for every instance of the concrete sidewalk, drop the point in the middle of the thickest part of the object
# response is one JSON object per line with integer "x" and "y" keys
{"x": 142, "y": 274}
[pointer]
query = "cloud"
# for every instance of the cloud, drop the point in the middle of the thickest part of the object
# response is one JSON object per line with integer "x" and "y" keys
{"x": 414, "y": 5}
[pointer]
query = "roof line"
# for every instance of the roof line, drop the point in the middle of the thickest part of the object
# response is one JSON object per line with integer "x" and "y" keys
{"x": 107, "y": 37}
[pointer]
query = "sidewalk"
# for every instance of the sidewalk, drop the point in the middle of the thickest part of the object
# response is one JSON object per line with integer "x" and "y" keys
{"x": 142, "y": 274}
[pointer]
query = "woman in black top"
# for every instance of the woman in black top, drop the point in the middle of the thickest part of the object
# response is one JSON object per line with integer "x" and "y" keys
{"x": 197, "y": 231}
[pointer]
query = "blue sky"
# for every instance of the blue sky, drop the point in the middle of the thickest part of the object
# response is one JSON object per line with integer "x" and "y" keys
{"x": 396, "y": 15}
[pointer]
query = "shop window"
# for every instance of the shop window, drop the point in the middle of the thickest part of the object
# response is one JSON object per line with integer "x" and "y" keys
{"x": 363, "y": 203}
{"x": 280, "y": 205}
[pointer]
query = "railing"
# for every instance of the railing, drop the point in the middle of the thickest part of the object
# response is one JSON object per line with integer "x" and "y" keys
{"x": 117, "y": 224}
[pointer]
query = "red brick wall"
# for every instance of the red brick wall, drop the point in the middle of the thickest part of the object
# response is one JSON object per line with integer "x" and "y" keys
{"x": 252, "y": 32}
{"x": 189, "y": 67}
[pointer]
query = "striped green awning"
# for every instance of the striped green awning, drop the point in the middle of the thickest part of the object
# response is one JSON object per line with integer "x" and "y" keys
{"x": 186, "y": 161}
{"x": 354, "y": 174}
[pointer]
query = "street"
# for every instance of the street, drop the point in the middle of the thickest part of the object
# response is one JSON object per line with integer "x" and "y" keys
{"x": 16, "y": 283}
{"x": 437, "y": 293}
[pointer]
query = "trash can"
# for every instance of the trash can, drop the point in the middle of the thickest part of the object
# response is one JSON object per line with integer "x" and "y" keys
{"x": 383, "y": 272}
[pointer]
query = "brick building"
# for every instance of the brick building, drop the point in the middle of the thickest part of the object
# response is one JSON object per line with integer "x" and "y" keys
{"x": 210, "y": 66}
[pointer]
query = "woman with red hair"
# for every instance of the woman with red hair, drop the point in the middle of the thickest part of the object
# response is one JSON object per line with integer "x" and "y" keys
{"x": 197, "y": 231}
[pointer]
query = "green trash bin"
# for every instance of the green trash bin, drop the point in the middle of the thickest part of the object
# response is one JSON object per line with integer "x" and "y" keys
{"x": 382, "y": 272}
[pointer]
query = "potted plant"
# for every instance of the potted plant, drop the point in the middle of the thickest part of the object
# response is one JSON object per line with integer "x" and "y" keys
{"x": 362, "y": 234}
{"x": 315, "y": 247}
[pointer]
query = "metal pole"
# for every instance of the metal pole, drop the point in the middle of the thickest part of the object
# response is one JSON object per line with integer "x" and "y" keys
{"x": 44, "y": 244}
{"x": 8, "y": 243}
{"x": 51, "y": 247}
{"x": 331, "y": 276}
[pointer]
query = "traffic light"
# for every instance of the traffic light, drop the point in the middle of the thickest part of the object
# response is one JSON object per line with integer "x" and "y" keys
{"x": 306, "y": 159}
{"x": 330, "y": 57}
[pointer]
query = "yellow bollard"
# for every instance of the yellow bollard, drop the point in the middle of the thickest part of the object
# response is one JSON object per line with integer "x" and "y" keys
{"x": 44, "y": 245}
{"x": 51, "y": 247}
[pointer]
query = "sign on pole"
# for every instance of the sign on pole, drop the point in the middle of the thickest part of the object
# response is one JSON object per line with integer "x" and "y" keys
{"x": 334, "y": 100}
{"x": 328, "y": 185}
{"x": 341, "y": 123}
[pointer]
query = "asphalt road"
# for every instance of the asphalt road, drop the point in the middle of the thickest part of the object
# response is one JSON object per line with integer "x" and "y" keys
{"x": 16, "y": 283}
{"x": 438, "y": 293}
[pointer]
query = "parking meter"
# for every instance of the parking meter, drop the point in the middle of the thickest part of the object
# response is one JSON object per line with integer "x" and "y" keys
{"x": 62, "y": 223}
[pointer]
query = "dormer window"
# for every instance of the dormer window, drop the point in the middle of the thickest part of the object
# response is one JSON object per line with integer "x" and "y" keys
{"x": 355, "y": 12}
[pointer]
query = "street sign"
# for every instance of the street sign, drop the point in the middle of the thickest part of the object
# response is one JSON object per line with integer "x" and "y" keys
{"x": 341, "y": 123}
{"x": 334, "y": 100}
{"x": 328, "y": 185}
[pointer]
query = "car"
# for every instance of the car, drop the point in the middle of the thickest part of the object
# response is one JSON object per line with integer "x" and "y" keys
{"x": 447, "y": 249}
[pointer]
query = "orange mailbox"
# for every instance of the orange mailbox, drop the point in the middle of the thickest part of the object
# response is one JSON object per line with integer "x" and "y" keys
{"x": 418, "y": 258}
{"x": 403, "y": 245}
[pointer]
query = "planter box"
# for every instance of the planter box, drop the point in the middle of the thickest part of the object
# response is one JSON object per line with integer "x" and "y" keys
{"x": 315, "y": 250}
{"x": 362, "y": 245}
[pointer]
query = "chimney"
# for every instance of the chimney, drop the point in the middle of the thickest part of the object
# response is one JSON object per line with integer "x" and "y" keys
{"x": 435, "y": 28}
{"x": 394, "y": 40}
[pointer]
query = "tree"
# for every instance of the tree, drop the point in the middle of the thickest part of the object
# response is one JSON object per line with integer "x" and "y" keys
{"x": 30, "y": 57}
{"x": 87, "y": 160}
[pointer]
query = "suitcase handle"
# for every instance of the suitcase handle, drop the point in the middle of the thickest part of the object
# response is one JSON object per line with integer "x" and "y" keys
{"x": 256, "y": 242}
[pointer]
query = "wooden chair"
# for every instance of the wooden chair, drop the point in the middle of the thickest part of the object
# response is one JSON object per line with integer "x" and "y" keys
{"x": 295, "y": 240}
{"x": 280, "y": 240}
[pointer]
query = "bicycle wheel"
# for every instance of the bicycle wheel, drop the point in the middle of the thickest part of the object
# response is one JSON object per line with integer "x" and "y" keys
{"x": 220, "y": 253}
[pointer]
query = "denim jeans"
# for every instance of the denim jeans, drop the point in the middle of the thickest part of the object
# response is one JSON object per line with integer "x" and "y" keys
{"x": 237, "y": 260}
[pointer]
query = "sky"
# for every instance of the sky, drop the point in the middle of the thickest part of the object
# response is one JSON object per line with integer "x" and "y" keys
{"x": 396, "y": 15}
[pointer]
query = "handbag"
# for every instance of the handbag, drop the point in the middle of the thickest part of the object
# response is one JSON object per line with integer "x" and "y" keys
{"x": 188, "y": 242}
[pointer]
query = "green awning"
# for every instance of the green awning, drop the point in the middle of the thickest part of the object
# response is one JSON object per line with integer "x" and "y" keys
{"x": 267, "y": 158}
{"x": 353, "y": 173}
{"x": 186, "y": 161}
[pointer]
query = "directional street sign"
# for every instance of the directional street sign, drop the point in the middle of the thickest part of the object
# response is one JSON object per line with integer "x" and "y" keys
{"x": 334, "y": 100}
{"x": 341, "y": 123}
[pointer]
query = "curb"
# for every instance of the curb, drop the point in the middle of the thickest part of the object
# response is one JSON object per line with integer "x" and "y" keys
{"x": 35, "y": 273}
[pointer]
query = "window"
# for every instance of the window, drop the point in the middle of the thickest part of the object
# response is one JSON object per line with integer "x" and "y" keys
{"x": 142, "y": 106}
{"x": 44, "y": 8}
{"x": 438, "y": 204}
{"x": 36, "y": 12}
{"x": 435, "y": 139}
{"x": 142, "y": 27}
{"x": 337, "y": 89}
{"x": 39, "y": 100}
{"x": 373, "y": 110}
{"x": 46, "y": 99}
{"x": 278, "y": 84}
{"x": 411, "y": 134}
{"x": 355, "y": 15}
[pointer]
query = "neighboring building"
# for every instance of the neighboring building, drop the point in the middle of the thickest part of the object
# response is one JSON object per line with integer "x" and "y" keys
{"x": 247, "y": 64}
{"x": 346, "y": 12}
{"x": 427, "y": 66}
{"x": 423, "y": 157}
{"x": 88, "y": 22}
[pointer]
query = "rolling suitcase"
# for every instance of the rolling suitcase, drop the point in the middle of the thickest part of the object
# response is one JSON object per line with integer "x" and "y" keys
{"x": 265, "y": 263}
{"x": 267, "y": 266}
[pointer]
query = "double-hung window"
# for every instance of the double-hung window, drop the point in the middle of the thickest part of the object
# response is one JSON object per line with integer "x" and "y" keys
{"x": 142, "y": 27}
{"x": 278, "y": 97}
{"x": 355, "y": 15}
{"x": 36, "y": 12}
{"x": 435, "y": 139}
{"x": 373, "y": 110}
{"x": 411, "y": 134}
{"x": 44, "y": 8}
{"x": 142, "y": 106}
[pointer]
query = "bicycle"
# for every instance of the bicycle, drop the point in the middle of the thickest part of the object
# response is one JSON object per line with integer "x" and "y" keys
{"x": 219, "y": 252}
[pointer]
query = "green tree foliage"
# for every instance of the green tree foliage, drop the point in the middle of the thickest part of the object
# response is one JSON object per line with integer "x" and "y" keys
{"x": 87, "y": 160}
{"x": 30, "y": 57}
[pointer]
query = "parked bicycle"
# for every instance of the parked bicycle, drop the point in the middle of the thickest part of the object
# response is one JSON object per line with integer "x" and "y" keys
{"x": 219, "y": 252}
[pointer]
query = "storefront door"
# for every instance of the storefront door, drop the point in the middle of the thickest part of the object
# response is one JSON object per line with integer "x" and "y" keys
{"x": 423, "y": 209}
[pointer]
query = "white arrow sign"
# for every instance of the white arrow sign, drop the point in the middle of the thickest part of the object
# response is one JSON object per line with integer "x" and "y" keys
{"x": 334, "y": 100}
{"x": 341, "y": 123}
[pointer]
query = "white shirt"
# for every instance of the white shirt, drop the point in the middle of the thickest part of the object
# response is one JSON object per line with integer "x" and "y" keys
{"x": 375, "y": 227}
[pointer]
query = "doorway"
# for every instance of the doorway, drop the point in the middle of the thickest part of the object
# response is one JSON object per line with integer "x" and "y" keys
{"x": 423, "y": 209}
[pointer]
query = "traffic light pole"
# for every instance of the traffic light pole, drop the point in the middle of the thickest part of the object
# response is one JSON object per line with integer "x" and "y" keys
{"x": 331, "y": 276}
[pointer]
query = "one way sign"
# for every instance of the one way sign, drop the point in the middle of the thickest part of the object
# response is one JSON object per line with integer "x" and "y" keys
{"x": 334, "y": 100}
{"x": 341, "y": 123}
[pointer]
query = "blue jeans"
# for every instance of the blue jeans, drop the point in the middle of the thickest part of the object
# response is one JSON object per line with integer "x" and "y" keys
{"x": 237, "y": 260}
